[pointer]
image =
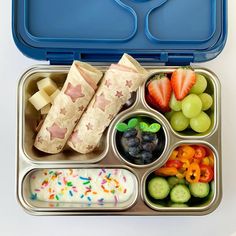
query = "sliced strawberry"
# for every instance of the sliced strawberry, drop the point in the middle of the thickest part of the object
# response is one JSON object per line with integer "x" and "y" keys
{"x": 182, "y": 80}
{"x": 160, "y": 90}
{"x": 150, "y": 101}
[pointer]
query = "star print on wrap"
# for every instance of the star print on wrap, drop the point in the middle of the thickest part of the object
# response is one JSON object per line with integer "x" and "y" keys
{"x": 101, "y": 102}
{"x": 74, "y": 92}
{"x": 108, "y": 83}
{"x": 129, "y": 83}
{"x": 119, "y": 94}
{"x": 56, "y": 131}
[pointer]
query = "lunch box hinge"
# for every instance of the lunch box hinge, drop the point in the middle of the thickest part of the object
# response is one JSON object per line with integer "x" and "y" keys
{"x": 60, "y": 58}
{"x": 114, "y": 57}
{"x": 179, "y": 59}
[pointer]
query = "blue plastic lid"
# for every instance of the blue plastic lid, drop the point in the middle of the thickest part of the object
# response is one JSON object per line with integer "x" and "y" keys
{"x": 165, "y": 31}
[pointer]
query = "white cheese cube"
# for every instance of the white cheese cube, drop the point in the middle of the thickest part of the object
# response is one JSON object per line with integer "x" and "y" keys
{"x": 54, "y": 95}
{"x": 40, "y": 99}
{"x": 48, "y": 85}
{"x": 45, "y": 109}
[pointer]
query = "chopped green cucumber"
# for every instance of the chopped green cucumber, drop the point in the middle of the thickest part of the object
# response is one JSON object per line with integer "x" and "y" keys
{"x": 200, "y": 190}
{"x": 158, "y": 188}
{"x": 172, "y": 181}
{"x": 180, "y": 194}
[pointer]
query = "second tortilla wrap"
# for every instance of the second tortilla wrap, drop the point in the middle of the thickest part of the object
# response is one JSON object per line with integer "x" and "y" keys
{"x": 115, "y": 90}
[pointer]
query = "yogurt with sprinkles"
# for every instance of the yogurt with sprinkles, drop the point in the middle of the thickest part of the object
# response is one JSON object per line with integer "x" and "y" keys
{"x": 90, "y": 186}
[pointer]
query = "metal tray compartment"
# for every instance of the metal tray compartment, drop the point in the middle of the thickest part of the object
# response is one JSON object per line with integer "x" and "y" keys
{"x": 38, "y": 204}
{"x": 107, "y": 154}
{"x": 205, "y": 204}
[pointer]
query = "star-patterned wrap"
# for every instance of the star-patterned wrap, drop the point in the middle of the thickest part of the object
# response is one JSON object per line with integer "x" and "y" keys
{"x": 115, "y": 90}
{"x": 68, "y": 107}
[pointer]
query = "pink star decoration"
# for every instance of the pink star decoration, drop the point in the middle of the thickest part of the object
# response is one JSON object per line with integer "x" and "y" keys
{"x": 89, "y": 126}
{"x": 89, "y": 147}
{"x": 107, "y": 83}
{"x": 59, "y": 147}
{"x": 74, "y": 138}
{"x": 74, "y": 92}
{"x": 101, "y": 102}
{"x": 81, "y": 108}
{"x": 63, "y": 111}
{"x": 56, "y": 131}
{"x": 129, "y": 83}
{"x": 119, "y": 94}
{"x": 40, "y": 140}
{"x": 110, "y": 117}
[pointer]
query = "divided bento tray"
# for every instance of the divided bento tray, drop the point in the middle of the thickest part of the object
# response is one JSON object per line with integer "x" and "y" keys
{"x": 107, "y": 154}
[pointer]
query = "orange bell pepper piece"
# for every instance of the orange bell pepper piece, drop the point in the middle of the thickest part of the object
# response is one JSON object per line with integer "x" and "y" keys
{"x": 186, "y": 163}
{"x": 173, "y": 155}
{"x": 186, "y": 151}
{"x": 195, "y": 160}
{"x": 205, "y": 161}
{"x": 208, "y": 161}
{"x": 166, "y": 171}
{"x": 193, "y": 173}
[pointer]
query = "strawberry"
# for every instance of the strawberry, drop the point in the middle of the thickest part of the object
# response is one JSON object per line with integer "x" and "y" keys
{"x": 182, "y": 80}
{"x": 159, "y": 90}
{"x": 153, "y": 104}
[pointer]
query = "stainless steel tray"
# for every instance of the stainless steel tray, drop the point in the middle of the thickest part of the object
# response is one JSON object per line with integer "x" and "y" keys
{"x": 107, "y": 155}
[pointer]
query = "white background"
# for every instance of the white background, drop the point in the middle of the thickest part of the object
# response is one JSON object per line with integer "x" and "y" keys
{"x": 14, "y": 221}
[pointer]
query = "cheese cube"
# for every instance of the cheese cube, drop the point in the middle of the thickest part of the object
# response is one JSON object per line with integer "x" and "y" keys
{"x": 48, "y": 85}
{"x": 39, "y": 99}
{"x": 45, "y": 109}
{"x": 54, "y": 95}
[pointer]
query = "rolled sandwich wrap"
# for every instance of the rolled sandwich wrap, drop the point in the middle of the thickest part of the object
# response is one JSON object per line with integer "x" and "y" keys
{"x": 68, "y": 106}
{"x": 115, "y": 90}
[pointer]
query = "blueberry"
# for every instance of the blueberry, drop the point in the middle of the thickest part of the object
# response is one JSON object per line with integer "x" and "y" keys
{"x": 149, "y": 137}
{"x": 148, "y": 146}
{"x": 133, "y": 142}
{"x": 146, "y": 157}
{"x": 130, "y": 133}
{"x": 134, "y": 151}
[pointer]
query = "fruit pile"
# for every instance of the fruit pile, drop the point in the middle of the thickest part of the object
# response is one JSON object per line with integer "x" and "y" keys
{"x": 139, "y": 140}
{"x": 182, "y": 99}
{"x": 185, "y": 178}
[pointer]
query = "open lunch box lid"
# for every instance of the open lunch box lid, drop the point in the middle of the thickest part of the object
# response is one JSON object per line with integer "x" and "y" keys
{"x": 156, "y": 31}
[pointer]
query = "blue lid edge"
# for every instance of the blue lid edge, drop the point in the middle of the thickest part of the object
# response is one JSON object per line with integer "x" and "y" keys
{"x": 66, "y": 56}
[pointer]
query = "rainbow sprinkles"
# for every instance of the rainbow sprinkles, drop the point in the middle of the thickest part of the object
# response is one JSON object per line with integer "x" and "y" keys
{"x": 90, "y": 186}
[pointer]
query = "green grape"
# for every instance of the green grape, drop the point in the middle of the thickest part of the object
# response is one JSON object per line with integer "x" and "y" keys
{"x": 201, "y": 123}
{"x": 207, "y": 101}
{"x": 200, "y": 85}
{"x": 169, "y": 114}
{"x": 191, "y": 106}
{"x": 174, "y": 104}
{"x": 179, "y": 122}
